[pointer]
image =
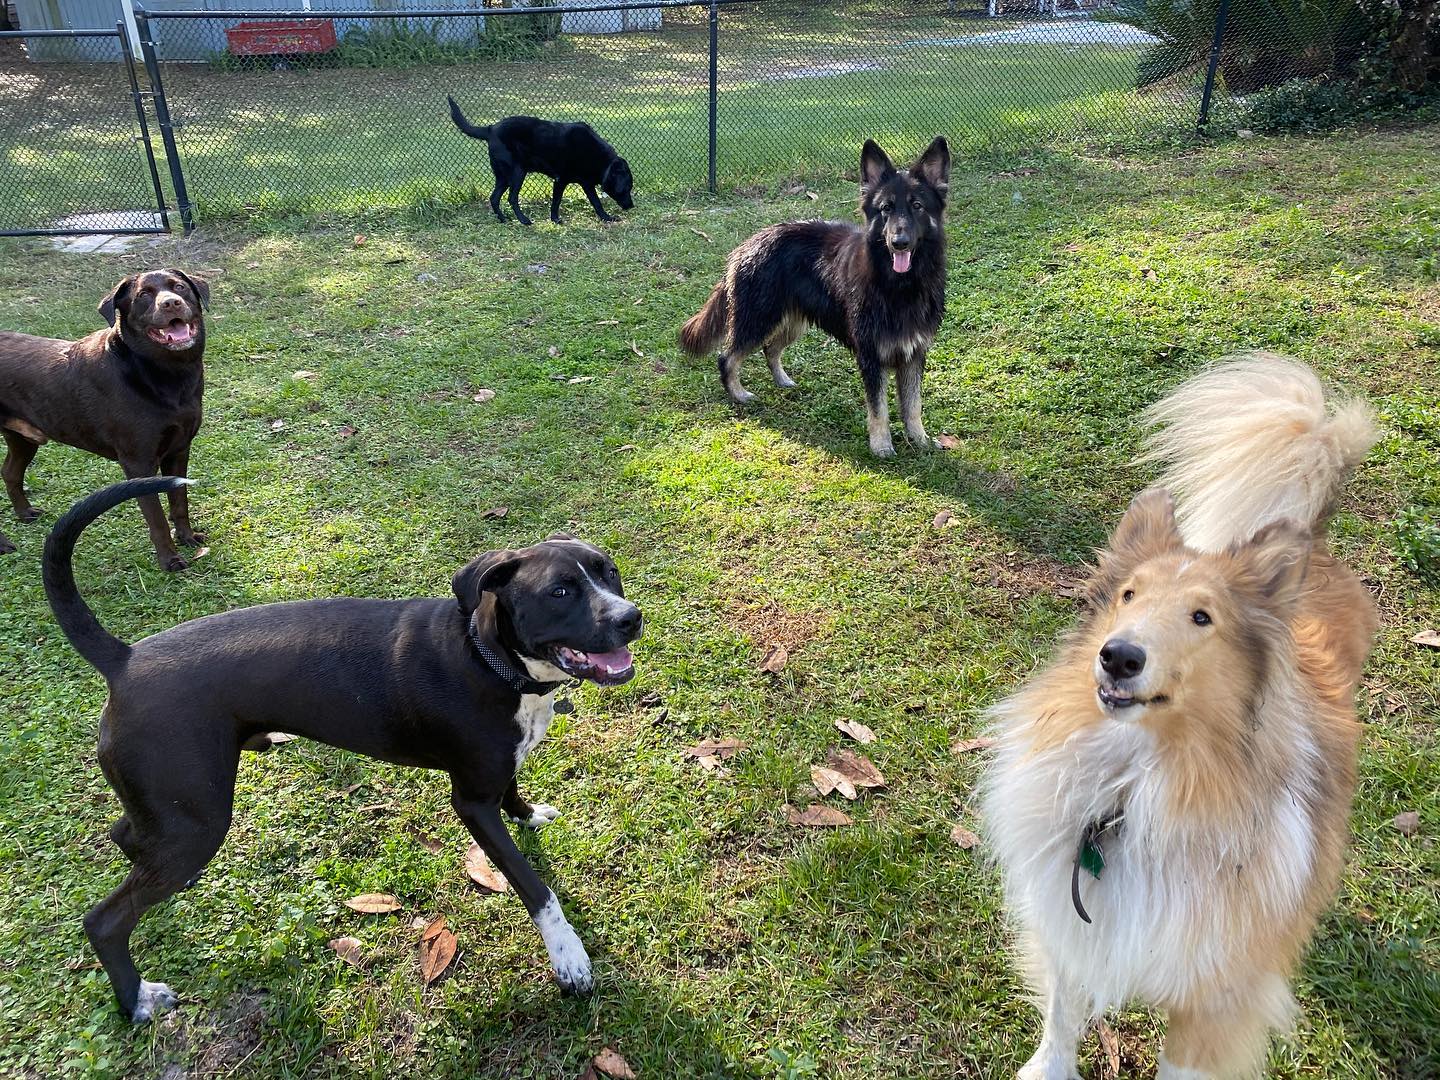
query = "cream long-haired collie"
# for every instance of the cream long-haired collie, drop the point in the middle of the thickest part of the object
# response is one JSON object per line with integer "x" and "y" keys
{"x": 1169, "y": 799}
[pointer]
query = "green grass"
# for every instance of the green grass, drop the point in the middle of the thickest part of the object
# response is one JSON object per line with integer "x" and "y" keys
{"x": 1079, "y": 292}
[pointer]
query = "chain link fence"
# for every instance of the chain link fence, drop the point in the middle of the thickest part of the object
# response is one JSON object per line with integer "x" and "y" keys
{"x": 343, "y": 108}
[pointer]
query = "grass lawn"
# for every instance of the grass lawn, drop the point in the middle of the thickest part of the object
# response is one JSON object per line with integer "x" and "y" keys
{"x": 1079, "y": 292}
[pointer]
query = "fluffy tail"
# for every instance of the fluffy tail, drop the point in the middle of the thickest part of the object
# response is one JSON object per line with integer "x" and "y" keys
{"x": 1251, "y": 441}
{"x": 465, "y": 125}
{"x": 707, "y": 327}
{"x": 104, "y": 650}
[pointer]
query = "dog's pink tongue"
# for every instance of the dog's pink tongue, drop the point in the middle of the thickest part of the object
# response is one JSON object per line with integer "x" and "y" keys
{"x": 177, "y": 333}
{"x": 902, "y": 261}
{"x": 613, "y": 662}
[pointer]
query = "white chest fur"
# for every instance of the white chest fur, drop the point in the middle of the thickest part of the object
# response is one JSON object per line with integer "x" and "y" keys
{"x": 533, "y": 720}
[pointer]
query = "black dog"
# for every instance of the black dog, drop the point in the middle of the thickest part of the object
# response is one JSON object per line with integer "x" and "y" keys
{"x": 567, "y": 153}
{"x": 880, "y": 289}
{"x": 131, "y": 393}
{"x": 466, "y": 688}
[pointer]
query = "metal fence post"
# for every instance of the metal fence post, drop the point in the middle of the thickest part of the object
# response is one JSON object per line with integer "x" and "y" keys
{"x": 162, "y": 116}
{"x": 1220, "y": 18}
{"x": 714, "y": 82}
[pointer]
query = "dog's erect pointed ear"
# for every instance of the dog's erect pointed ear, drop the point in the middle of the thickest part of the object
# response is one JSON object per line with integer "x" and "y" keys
{"x": 118, "y": 300}
{"x": 482, "y": 574}
{"x": 1278, "y": 557}
{"x": 199, "y": 286}
{"x": 934, "y": 165}
{"x": 1147, "y": 530}
{"x": 875, "y": 164}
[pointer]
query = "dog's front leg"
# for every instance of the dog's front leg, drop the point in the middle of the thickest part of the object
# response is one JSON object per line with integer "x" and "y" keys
{"x": 1066, "y": 1013}
{"x": 589, "y": 190}
{"x": 876, "y": 378}
{"x": 908, "y": 377}
{"x": 178, "y": 464}
{"x": 165, "y": 553}
{"x": 568, "y": 957}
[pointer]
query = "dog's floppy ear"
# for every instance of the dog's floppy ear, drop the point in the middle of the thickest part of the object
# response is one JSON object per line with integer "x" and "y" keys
{"x": 1277, "y": 558}
{"x": 118, "y": 300}
{"x": 875, "y": 164}
{"x": 199, "y": 286}
{"x": 1148, "y": 529}
{"x": 482, "y": 574}
{"x": 934, "y": 165}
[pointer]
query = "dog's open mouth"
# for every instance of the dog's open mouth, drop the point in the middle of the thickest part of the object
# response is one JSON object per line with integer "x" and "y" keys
{"x": 176, "y": 334}
{"x": 1117, "y": 697}
{"x": 900, "y": 260}
{"x": 603, "y": 669}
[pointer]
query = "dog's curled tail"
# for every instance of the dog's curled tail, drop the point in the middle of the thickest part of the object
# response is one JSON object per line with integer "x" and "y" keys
{"x": 708, "y": 327}
{"x": 1253, "y": 440}
{"x": 463, "y": 124}
{"x": 91, "y": 640}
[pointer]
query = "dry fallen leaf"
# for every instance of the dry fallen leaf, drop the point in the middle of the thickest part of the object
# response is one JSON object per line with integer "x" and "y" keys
{"x": 278, "y": 425}
{"x": 495, "y": 512}
{"x": 964, "y": 837}
{"x": 723, "y": 749}
{"x": 811, "y": 196}
{"x": 1151, "y": 275}
{"x": 580, "y": 379}
{"x": 373, "y": 903}
{"x": 945, "y": 520}
{"x": 859, "y": 770}
{"x": 589, "y": 1073}
{"x": 613, "y": 1065}
{"x": 1428, "y": 638}
{"x": 433, "y": 927}
{"x": 775, "y": 659}
{"x": 278, "y": 737}
{"x": 483, "y": 395}
{"x": 703, "y": 235}
{"x": 627, "y": 446}
{"x": 359, "y": 240}
{"x": 349, "y": 950}
{"x": 856, "y": 730}
{"x": 347, "y": 431}
{"x": 636, "y": 349}
{"x": 947, "y": 442}
{"x": 1408, "y": 823}
{"x": 710, "y": 763}
{"x": 553, "y": 351}
{"x": 304, "y": 374}
{"x": 828, "y": 780}
{"x": 436, "y": 953}
{"x": 479, "y": 870}
{"x": 816, "y": 816}
{"x": 1110, "y": 1044}
{"x": 965, "y": 746}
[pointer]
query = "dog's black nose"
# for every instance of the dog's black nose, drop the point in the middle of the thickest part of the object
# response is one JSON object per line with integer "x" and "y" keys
{"x": 629, "y": 623}
{"x": 1122, "y": 659}
{"x": 900, "y": 241}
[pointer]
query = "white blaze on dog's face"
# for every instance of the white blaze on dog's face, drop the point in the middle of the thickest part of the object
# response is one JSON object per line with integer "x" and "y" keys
{"x": 1179, "y": 636}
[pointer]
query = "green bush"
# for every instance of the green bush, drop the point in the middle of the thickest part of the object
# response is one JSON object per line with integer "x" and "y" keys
{"x": 1266, "y": 43}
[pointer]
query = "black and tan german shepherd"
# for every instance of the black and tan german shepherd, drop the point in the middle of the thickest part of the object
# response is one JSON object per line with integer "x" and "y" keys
{"x": 878, "y": 289}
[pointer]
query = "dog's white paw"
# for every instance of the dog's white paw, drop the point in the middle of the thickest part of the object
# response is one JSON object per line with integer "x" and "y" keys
{"x": 883, "y": 450}
{"x": 541, "y": 814}
{"x": 153, "y": 999}
{"x": 1049, "y": 1064}
{"x": 568, "y": 958}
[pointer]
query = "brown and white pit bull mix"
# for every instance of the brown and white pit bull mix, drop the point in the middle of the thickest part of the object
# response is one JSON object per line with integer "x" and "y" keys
{"x": 131, "y": 393}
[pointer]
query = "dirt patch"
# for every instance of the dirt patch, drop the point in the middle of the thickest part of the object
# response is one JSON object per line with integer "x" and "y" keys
{"x": 771, "y": 623}
{"x": 235, "y": 1033}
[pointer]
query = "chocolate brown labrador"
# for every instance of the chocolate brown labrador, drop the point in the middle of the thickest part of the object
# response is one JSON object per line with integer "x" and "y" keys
{"x": 131, "y": 393}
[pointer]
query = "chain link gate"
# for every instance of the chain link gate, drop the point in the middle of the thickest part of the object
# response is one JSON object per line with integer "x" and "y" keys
{"x": 78, "y": 158}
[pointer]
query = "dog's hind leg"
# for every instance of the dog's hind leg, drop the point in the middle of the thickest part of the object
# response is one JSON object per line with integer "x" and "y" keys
{"x": 785, "y": 335}
{"x": 877, "y": 405}
{"x": 19, "y": 452}
{"x": 1229, "y": 1034}
{"x": 555, "y": 197}
{"x": 163, "y": 865}
{"x": 568, "y": 958}
{"x": 500, "y": 184}
{"x": 908, "y": 377}
{"x": 730, "y": 377}
{"x": 517, "y": 178}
